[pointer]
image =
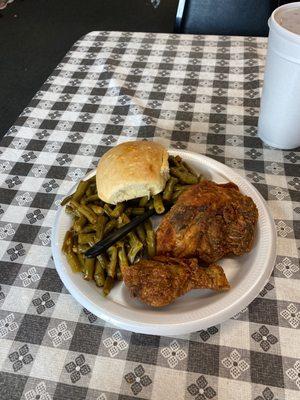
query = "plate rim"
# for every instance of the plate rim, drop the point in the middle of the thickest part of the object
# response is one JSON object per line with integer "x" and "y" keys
{"x": 181, "y": 327}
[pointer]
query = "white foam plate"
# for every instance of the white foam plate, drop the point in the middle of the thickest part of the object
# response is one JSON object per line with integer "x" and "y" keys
{"x": 198, "y": 309}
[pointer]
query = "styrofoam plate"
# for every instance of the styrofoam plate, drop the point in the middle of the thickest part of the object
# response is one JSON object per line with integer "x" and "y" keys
{"x": 198, "y": 309}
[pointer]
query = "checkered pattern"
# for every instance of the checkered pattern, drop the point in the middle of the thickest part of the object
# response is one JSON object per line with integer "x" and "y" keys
{"x": 199, "y": 93}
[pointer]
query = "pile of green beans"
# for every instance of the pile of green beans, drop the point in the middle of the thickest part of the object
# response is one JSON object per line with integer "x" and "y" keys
{"x": 93, "y": 220}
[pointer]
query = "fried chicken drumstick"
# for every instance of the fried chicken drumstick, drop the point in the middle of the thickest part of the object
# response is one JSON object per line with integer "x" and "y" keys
{"x": 208, "y": 222}
{"x": 159, "y": 281}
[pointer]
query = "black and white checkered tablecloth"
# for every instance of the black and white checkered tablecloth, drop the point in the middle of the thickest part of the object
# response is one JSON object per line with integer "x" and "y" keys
{"x": 199, "y": 93}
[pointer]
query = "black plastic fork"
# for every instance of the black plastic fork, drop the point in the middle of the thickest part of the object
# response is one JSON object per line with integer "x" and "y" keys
{"x": 104, "y": 244}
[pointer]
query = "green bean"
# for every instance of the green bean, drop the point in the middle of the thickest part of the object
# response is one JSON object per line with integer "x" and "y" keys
{"x": 181, "y": 187}
{"x": 86, "y": 238}
{"x": 81, "y": 259}
{"x": 169, "y": 188}
{"x": 109, "y": 283}
{"x": 143, "y": 201}
{"x": 88, "y": 228}
{"x": 123, "y": 219}
{"x": 92, "y": 180}
{"x": 171, "y": 160}
{"x": 108, "y": 210}
{"x": 80, "y": 191}
{"x": 189, "y": 169}
{"x": 100, "y": 227}
{"x": 118, "y": 210}
{"x": 113, "y": 254}
{"x": 99, "y": 274}
{"x": 137, "y": 210}
{"x": 149, "y": 205}
{"x": 68, "y": 242}
{"x": 82, "y": 200}
{"x": 89, "y": 268}
{"x": 66, "y": 200}
{"x": 178, "y": 162}
{"x": 119, "y": 274}
{"x": 79, "y": 223}
{"x": 89, "y": 214}
{"x": 97, "y": 209}
{"x": 69, "y": 210}
{"x": 141, "y": 232}
{"x": 128, "y": 211}
{"x": 178, "y": 159}
{"x": 150, "y": 238}
{"x": 176, "y": 194}
{"x": 135, "y": 246}
{"x": 183, "y": 175}
{"x": 89, "y": 191}
{"x": 82, "y": 248}
{"x": 90, "y": 199}
{"x": 73, "y": 261}
{"x": 84, "y": 210}
{"x": 75, "y": 238}
{"x": 175, "y": 161}
{"x": 122, "y": 255}
{"x": 158, "y": 204}
{"x": 103, "y": 261}
{"x": 112, "y": 224}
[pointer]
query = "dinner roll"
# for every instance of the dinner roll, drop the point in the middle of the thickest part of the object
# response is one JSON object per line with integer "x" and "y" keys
{"x": 131, "y": 170}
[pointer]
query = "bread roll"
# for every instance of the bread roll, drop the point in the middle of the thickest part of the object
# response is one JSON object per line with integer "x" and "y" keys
{"x": 131, "y": 170}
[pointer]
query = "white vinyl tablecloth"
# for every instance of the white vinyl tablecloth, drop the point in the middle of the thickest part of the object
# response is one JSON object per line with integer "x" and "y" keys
{"x": 193, "y": 92}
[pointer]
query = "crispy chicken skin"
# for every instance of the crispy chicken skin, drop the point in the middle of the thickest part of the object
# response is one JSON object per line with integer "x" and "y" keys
{"x": 159, "y": 281}
{"x": 208, "y": 222}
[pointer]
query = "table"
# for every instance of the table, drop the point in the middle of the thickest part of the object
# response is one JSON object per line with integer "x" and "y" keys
{"x": 193, "y": 92}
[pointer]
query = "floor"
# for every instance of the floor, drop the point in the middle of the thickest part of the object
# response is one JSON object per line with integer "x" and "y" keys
{"x": 36, "y": 34}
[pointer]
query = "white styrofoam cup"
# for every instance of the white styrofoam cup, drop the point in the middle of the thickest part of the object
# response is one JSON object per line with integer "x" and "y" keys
{"x": 279, "y": 117}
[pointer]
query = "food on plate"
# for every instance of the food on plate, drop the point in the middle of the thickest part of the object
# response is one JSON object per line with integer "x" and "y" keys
{"x": 131, "y": 170}
{"x": 208, "y": 222}
{"x": 94, "y": 219}
{"x": 160, "y": 280}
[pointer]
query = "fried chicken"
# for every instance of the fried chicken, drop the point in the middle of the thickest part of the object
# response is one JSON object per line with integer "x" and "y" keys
{"x": 208, "y": 222}
{"x": 159, "y": 281}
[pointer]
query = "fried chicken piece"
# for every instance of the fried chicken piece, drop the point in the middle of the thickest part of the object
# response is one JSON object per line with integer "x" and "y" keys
{"x": 159, "y": 281}
{"x": 208, "y": 222}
